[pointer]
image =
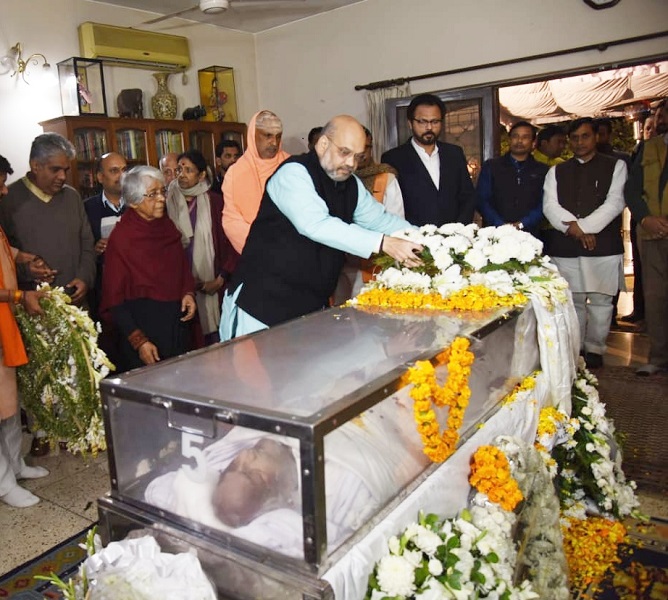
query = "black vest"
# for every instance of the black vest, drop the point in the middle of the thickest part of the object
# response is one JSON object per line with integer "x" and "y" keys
{"x": 581, "y": 189}
{"x": 516, "y": 193}
{"x": 285, "y": 274}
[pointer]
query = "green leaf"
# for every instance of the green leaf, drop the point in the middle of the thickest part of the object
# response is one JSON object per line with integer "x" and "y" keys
{"x": 492, "y": 557}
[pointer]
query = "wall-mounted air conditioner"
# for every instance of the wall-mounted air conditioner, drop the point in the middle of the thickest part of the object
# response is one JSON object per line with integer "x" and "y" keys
{"x": 134, "y": 47}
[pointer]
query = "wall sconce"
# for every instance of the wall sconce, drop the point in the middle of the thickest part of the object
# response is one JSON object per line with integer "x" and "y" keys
{"x": 13, "y": 62}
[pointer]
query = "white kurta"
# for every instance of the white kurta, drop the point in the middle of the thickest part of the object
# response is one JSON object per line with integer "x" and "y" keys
{"x": 594, "y": 274}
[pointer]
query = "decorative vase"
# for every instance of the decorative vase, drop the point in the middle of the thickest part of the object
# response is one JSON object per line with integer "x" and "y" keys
{"x": 163, "y": 102}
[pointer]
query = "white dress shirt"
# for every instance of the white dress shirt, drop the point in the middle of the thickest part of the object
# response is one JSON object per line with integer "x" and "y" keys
{"x": 597, "y": 220}
{"x": 432, "y": 161}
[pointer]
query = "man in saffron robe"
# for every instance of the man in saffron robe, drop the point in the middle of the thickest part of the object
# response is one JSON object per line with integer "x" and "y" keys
{"x": 244, "y": 181}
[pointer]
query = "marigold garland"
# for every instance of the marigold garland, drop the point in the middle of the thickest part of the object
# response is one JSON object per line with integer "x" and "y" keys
{"x": 474, "y": 298}
{"x": 591, "y": 548}
{"x": 455, "y": 394}
{"x": 490, "y": 474}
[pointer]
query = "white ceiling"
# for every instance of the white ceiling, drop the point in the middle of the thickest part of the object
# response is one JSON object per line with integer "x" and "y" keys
{"x": 252, "y": 16}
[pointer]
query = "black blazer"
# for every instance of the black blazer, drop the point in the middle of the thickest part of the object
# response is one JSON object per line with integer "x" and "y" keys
{"x": 453, "y": 202}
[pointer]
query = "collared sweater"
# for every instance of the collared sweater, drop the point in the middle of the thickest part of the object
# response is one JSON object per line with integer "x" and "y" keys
{"x": 57, "y": 230}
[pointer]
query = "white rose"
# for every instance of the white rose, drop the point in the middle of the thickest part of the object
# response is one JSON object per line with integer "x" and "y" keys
{"x": 435, "y": 567}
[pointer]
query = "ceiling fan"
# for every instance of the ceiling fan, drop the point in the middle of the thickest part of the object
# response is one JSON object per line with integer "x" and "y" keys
{"x": 213, "y": 7}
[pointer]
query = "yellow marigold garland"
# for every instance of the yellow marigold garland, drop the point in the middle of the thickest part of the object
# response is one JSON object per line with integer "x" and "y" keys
{"x": 455, "y": 394}
{"x": 490, "y": 474}
{"x": 591, "y": 548}
{"x": 474, "y": 298}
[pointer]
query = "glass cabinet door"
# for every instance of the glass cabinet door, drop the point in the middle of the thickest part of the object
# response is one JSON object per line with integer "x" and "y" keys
{"x": 168, "y": 140}
{"x": 205, "y": 142}
{"x": 90, "y": 143}
{"x": 131, "y": 144}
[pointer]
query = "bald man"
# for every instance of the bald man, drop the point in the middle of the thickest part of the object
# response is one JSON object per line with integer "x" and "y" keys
{"x": 168, "y": 164}
{"x": 313, "y": 211}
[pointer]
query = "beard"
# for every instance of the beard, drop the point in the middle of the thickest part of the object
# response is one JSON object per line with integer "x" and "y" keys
{"x": 428, "y": 138}
{"x": 339, "y": 174}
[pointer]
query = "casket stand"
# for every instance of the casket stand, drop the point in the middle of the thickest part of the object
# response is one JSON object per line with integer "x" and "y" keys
{"x": 310, "y": 382}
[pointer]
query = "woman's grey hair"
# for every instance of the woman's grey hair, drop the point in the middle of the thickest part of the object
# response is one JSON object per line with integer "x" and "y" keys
{"x": 136, "y": 182}
{"x": 50, "y": 144}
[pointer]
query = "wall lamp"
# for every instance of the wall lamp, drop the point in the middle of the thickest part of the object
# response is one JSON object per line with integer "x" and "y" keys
{"x": 13, "y": 62}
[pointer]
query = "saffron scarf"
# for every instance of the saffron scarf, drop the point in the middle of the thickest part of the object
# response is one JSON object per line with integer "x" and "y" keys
{"x": 243, "y": 186}
{"x": 14, "y": 353}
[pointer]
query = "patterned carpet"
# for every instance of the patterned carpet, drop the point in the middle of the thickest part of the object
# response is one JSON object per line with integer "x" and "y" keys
{"x": 639, "y": 407}
{"x": 62, "y": 559}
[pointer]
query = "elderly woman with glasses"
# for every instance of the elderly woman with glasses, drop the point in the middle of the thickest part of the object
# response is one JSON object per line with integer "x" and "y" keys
{"x": 197, "y": 214}
{"x": 147, "y": 287}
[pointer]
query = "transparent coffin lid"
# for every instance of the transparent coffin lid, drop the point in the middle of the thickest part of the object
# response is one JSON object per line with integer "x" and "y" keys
{"x": 302, "y": 367}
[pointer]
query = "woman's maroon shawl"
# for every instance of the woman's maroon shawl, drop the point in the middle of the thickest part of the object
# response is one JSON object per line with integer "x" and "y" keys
{"x": 144, "y": 259}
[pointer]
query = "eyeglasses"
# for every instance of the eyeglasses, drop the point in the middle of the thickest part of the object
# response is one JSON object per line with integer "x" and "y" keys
{"x": 425, "y": 122}
{"x": 162, "y": 192}
{"x": 347, "y": 152}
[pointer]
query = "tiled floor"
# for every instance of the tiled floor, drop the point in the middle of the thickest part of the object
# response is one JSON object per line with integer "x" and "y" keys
{"x": 70, "y": 492}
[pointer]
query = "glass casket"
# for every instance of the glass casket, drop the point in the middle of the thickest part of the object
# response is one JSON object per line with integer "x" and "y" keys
{"x": 276, "y": 453}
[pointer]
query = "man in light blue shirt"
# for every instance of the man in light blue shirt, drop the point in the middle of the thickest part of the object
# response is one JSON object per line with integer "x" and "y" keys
{"x": 313, "y": 211}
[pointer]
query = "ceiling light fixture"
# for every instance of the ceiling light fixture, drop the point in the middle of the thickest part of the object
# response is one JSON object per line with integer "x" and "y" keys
{"x": 13, "y": 62}
{"x": 212, "y": 7}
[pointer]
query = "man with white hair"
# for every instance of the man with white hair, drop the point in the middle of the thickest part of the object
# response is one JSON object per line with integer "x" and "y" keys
{"x": 244, "y": 181}
{"x": 313, "y": 211}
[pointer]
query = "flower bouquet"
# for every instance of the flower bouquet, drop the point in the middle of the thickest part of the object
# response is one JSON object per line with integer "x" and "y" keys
{"x": 134, "y": 569}
{"x": 60, "y": 385}
{"x": 589, "y": 458}
{"x": 466, "y": 268}
{"x": 471, "y": 556}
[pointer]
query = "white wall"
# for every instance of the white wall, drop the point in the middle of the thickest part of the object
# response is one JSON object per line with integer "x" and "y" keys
{"x": 307, "y": 70}
{"x": 50, "y": 27}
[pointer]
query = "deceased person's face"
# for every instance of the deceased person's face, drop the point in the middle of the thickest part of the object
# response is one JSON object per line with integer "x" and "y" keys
{"x": 259, "y": 479}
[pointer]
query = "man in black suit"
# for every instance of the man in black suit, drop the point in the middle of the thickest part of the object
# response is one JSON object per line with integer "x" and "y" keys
{"x": 104, "y": 210}
{"x": 433, "y": 177}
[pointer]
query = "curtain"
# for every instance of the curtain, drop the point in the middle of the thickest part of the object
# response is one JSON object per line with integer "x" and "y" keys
{"x": 375, "y": 103}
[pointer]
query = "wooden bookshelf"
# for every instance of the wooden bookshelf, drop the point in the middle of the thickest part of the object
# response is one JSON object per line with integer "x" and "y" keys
{"x": 140, "y": 141}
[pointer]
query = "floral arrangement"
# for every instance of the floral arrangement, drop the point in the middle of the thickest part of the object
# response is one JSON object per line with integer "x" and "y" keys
{"x": 455, "y": 394}
{"x": 134, "y": 568}
{"x": 466, "y": 268}
{"x": 490, "y": 474}
{"x": 586, "y": 467}
{"x": 591, "y": 547}
{"x": 471, "y": 556}
{"x": 60, "y": 385}
{"x": 540, "y": 557}
{"x": 589, "y": 459}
